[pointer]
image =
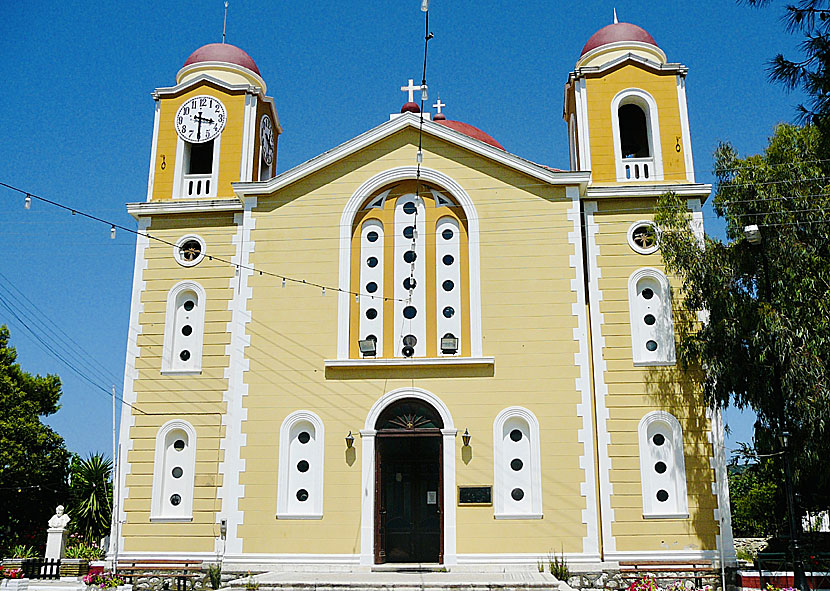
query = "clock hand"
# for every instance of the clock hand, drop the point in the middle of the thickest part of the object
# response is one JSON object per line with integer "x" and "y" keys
{"x": 199, "y": 128}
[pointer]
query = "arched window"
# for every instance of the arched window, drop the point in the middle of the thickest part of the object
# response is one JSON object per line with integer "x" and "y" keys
{"x": 636, "y": 132}
{"x": 410, "y": 266}
{"x": 650, "y": 314}
{"x": 300, "y": 478}
{"x": 174, "y": 472}
{"x": 517, "y": 471}
{"x": 184, "y": 329}
{"x": 662, "y": 466}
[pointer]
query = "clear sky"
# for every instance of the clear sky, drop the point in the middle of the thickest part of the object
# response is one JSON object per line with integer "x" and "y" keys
{"x": 77, "y": 117}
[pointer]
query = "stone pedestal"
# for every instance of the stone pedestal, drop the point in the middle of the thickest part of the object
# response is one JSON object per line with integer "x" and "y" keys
{"x": 55, "y": 542}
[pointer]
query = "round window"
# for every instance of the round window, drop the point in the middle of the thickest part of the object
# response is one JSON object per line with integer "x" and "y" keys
{"x": 371, "y": 313}
{"x": 517, "y": 494}
{"x": 302, "y": 495}
{"x": 658, "y": 439}
{"x": 660, "y": 467}
{"x": 372, "y": 236}
{"x": 410, "y": 312}
{"x": 175, "y": 500}
{"x": 516, "y": 464}
{"x": 516, "y": 435}
{"x": 409, "y": 283}
{"x": 409, "y": 208}
{"x": 189, "y": 305}
{"x": 178, "y": 445}
{"x": 189, "y": 251}
{"x": 643, "y": 237}
{"x": 302, "y": 466}
{"x": 177, "y": 472}
{"x": 409, "y": 256}
{"x": 187, "y": 330}
{"x": 304, "y": 437}
{"x": 448, "y": 285}
{"x": 447, "y": 234}
{"x": 184, "y": 355}
{"x": 372, "y": 262}
{"x": 409, "y": 232}
{"x": 651, "y": 345}
{"x": 662, "y": 495}
{"x": 448, "y": 312}
{"x": 649, "y": 319}
{"x": 647, "y": 293}
{"x": 448, "y": 259}
{"x": 371, "y": 287}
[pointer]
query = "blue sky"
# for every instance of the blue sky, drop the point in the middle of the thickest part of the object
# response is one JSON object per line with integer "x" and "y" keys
{"x": 77, "y": 118}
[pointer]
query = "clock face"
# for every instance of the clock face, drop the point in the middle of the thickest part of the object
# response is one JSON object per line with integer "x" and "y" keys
{"x": 266, "y": 140}
{"x": 200, "y": 119}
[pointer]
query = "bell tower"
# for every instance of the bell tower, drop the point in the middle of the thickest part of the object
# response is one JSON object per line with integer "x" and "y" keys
{"x": 216, "y": 126}
{"x": 625, "y": 107}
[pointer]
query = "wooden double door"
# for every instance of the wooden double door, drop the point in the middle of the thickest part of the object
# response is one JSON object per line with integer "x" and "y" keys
{"x": 408, "y": 498}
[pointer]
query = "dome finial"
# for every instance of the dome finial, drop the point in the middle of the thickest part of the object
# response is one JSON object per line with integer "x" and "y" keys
{"x": 616, "y": 22}
{"x": 225, "y": 22}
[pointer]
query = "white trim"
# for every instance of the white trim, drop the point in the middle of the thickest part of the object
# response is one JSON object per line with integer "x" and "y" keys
{"x": 446, "y": 361}
{"x": 617, "y": 45}
{"x": 720, "y": 488}
{"x": 367, "y": 504}
{"x": 662, "y": 555}
{"x": 662, "y": 331}
{"x": 684, "y": 128}
{"x": 154, "y": 149}
{"x": 605, "y": 488}
{"x": 596, "y": 71}
{"x": 641, "y": 98}
{"x": 356, "y": 200}
{"x": 260, "y": 88}
{"x": 316, "y": 469}
{"x": 233, "y": 465}
{"x": 177, "y": 254}
{"x": 581, "y": 98}
{"x": 698, "y": 190}
{"x": 636, "y": 247}
{"x": 160, "y": 468}
{"x": 190, "y": 206}
{"x": 389, "y": 128}
{"x": 584, "y": 410}
{"x": 696, "y": 223}
{"x": 572, "y": 142}
{"x": 246, "y": 164}
{"x": 676, "y": 472}
{"x": 500, "y": 464}
{"x": 194, "y": 364}
{"x": 127, "y": 421}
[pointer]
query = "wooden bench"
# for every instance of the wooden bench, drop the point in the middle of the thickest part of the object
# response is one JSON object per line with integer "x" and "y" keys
{"x": 178, "y": 570}
{"x": 695, "y": 570}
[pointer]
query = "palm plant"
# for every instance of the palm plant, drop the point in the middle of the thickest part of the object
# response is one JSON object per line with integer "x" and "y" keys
{"x": 91, "y": 496}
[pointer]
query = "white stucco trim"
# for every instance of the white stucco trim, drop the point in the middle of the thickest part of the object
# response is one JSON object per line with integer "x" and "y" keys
{"x": 190, "y": 206}
{"x": 720, "y": 488}
{"x": 353, "y": 205}
{"x": 697, "y": 190}
{"x": 676, "y": 472}
{"x": 446, "y": 361}
{"x": 177, "y": 250}
{"x": 168, "y": 354}
{"x": 178, "y": 171}
{"x": 666, "y": 555}
{"x": 317, "y": 467}
{"x": 160, "y": 467}
{"x": 584, "y": 410}
{"x": 684, "y": 128}
{"x": 367, "y": 489}
{"x": 629, "y": 235}
{"x": 618, "y": 45}
{"x": 154, "y": 150}
{"x": 640, "y": 98}
{"x": 580, "y": 89}
{"x": 249, "y": 130}
{"x": 128, "y": 395}
{"x": 233, "y": 465}
{"x": 604, "y": 488}
{"x": 500, "y": 464}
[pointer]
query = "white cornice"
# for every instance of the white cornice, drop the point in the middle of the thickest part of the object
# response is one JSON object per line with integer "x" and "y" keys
{"x": 699, "y": 190}
{"x": 391, "y": 127}
{"x": 143, "y": 209}
{"x": 674, "y": 68}
{"x": 617, "y": 45}
{"x": 410, "y": 362}
{"x": 181, "y": 87}
{"x": 227, "y": 66}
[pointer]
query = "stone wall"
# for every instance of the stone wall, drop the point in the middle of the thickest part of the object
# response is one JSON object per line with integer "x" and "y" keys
{"x": 613, "y": 579}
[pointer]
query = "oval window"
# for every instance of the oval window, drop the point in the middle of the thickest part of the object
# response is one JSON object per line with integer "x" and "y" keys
{"x": 409, "y": 256}
{"x": 178, "y": 445}
{"x": 302, "y": 466}
{"x": 177, "y": 472}
{"x": 447, "y": 234}
{"x": 448, "y": 259}
{"x": 189, "y": 305}
{"x": 516, "y": 435}
{"x": 175, "y": 500}
{"x": 516, "y": 464}
{"x": 448, "y": 312}
{"x": 304, "y": 437}
{"x": 184, "y": 355}
{"x": 371, "y": 287}
{"x": 302, "y": 495}
{"x": 410, "y": 312}
{"x": 372, "y": 262}
{"x": 658, "y": 439}
{"x": 409, "y": 232}
{"x": 187, "y": 330}
{"x": 517, "y": 494}
{"x": 409, "y": 208}
{"x": 372, "y": 236}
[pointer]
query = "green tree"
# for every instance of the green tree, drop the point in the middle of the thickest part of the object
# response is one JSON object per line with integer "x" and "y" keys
{"x": 33, "y": 458}
{"x": 755, "y": 495}
{"x": 766, "y": 343}
{"x": 90, "y": 496}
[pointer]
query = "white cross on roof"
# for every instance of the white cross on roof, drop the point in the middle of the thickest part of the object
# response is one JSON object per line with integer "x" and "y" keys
{"x": 439, "y": 105}
{"x": 411, "y": 88}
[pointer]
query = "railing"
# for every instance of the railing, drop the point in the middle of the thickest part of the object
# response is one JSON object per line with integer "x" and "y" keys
{"x": 635, "y": 169}
{"x": 41, "y": 568}
{"x": 196, "y": 185}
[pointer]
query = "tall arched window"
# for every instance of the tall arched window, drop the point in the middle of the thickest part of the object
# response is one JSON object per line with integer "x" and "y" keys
{"x": 300, "y": 478}
{"x": 518, "y": 475}
{"x": 184, "y": 329}
{"x": 650, "y": 314}
{"x": 662, "y": 466}
{"x": 636, "y": 132}
{"x": 174, "y": 472}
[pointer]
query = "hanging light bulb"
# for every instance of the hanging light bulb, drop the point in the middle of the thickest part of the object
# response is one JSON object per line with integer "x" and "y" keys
{"x": 424, "y": 5}
{"x": 356, "y": 299}
{"x": 27, "y": 203}
{"x": 283, "y": 281}
{"x": 112, "y": 233}
{"x": 424, "y": 96}
{"x": 324, "y": 292}
{"x": 419, "y": 157}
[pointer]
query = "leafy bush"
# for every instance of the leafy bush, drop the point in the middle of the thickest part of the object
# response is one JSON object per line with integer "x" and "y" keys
{"x": 215, "y": 575}
{"x": 104, "y": 580}
{"x": 23, "y": 551}
{"x": 559, "y": 566}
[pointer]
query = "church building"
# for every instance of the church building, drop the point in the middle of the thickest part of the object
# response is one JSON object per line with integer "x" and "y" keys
{"x": 416, "y": 347}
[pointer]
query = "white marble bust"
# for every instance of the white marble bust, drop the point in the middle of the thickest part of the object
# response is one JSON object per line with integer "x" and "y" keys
{"x": 59, "y": 520}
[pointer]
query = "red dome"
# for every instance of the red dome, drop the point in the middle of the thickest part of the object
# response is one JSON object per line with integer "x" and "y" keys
{"x": 410, "y": 108}
{"x": 439, "y": 117}
{"x": 222, "y": 52}
{"x": 615, "y": 33}
{"x": 473, "y": 132}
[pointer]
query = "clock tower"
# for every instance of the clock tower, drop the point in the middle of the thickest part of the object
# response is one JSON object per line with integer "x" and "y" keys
{"x": 216, "y": 126}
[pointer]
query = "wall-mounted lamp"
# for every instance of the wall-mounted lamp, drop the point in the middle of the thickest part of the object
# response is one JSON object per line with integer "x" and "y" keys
{"x": 465, "y": 438}
{"x": 368, "y": 347}
{"x": 223, "y": 528}
{"x": 349, "y": 440}
{"x": 449, "y": 344}
{"x": 785, "y": 439}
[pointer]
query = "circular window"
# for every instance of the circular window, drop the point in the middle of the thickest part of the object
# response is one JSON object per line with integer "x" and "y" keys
{"x": 409, "y": 232}
{"x": 662, "y": 495}
{"x": 177, "y": 472}
{"x": 187, "y": 330}
{"x": 516, "y": 435}
{"x": 448, "y": 285}
{"x": 302, "y": 466}
{"x": 372, "y": 262}
{"x": 189, "y": 251}
{"x": 516, "y": 464}
{"x": 649, "y": 319}
{"x": 372, "y": 337}
{"x": 517, "y": 494}
{"x": 658, "y": 439}
{"x": 410, "y": 312}
{"x": 302, "y": 495}
{"x": 409, "y": 208}
{"x": 184, "y": 355}
{"x": 410, "y": 340}
{"x": 371, "y": 287}
{"x": 643, "y": 237}
{"x": 651, "y": 345}
{"x": 371, "y": 313}
{"x": 447, "y": 234}
{"x": 178, "y": 445}
{"x": 409, "y": 256}
{"x": 372, "y": 236}
{"x": 409, "y": 283}
{"x": 448, "y": 312}
{"x": 175, "y": 500}
{"x": 448, "y": 260}
{"x": 304, "y": 437}
{"x": 189, "y": 305}
{"x": 647, "y": 293}
{"x": 660, "y": 467}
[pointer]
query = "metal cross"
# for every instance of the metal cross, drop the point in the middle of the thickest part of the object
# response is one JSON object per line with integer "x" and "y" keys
{"x": 439, "y": 105}
{"x": 411, "y": 88}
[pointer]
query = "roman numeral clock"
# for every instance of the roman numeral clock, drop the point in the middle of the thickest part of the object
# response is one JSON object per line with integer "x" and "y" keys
{"x": 200, "y": 119}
